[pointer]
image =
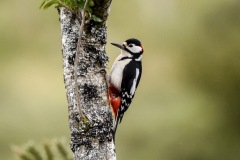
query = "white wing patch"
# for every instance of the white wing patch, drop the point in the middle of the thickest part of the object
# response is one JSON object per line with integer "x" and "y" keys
{"x": 133, "y": 89}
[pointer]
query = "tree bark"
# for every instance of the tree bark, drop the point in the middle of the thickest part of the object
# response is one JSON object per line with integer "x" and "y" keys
{"x": 91, "y": 138}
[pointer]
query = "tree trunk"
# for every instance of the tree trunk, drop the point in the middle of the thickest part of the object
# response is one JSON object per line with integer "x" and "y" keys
{"x": 91, "y": 137}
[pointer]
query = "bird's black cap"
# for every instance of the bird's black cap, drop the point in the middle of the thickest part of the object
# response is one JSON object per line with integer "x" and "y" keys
{"x": 133, "y": 41}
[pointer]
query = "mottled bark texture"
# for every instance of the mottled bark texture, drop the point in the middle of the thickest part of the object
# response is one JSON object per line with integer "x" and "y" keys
{"x": 91, "y": 139}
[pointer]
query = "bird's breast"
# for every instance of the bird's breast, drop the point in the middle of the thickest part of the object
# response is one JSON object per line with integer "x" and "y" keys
{"x": 116, "y": 72}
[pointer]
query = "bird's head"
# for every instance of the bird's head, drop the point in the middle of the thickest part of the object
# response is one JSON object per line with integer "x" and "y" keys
{"x": 131, "y": 47}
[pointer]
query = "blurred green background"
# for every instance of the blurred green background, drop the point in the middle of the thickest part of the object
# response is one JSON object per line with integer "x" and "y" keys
{"x": 187, "y": 106}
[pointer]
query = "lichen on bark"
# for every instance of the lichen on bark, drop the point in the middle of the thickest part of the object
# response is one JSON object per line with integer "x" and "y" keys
{"x": 91, "y": 138}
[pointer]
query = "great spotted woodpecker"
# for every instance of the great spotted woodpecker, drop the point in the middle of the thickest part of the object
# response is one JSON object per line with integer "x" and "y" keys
{"x": 124, "y": 77}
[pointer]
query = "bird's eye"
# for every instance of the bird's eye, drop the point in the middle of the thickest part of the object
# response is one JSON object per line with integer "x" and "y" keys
{"x": 130, "y": 45}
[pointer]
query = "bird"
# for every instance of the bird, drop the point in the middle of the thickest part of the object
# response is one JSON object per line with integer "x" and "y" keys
{"x": 124, "y": 78}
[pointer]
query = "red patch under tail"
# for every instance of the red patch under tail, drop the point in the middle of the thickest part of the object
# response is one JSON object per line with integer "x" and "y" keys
{"x": 114, "y": 99}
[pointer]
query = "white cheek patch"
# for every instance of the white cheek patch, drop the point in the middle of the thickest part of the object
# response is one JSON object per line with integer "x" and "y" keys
{"x": 135, "y": 49}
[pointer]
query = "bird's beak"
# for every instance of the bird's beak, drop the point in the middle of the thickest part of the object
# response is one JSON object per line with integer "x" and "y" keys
{"x": 118, "y": 45}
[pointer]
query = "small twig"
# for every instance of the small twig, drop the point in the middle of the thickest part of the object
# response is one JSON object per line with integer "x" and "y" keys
{"x": 77, "y": 94}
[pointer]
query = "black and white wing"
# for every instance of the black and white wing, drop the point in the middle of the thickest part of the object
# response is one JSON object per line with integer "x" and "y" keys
{"x": 130, "y": 80}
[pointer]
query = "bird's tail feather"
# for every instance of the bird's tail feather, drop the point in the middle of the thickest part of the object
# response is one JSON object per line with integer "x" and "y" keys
{"x": 116, "y": 124}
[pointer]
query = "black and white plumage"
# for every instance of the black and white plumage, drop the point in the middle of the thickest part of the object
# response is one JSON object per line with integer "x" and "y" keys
{"x": 124, "y": 77}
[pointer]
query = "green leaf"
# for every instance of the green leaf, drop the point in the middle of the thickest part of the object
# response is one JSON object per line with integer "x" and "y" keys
{"x": 91, "y": 3}
{"x": 88, "y": 9}
{"x": 80, "y": 3}
{"x": 62, "y": 150}
{"x": 49, "y": 4}
{"x": 48, "y": 151}
{"x": 96, "y": 19}
{"x": 35, "y": 153}
{"x": 43, "y": 2}
{"x": 74, "y": 5}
